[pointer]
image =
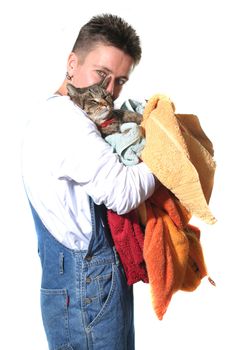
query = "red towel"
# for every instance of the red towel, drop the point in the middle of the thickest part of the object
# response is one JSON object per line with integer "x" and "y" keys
{"x": 128, "y": 238}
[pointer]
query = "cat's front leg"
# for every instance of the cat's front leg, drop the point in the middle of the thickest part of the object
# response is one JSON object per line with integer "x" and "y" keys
{"x": 126, "y": 116}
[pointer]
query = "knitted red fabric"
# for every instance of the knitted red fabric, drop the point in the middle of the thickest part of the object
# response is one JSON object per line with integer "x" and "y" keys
{"x": 128, "y": 239}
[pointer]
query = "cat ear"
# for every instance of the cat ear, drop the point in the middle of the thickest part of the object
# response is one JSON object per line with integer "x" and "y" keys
{"x": 105, "y": 82}
{"x": 71, "y": 90}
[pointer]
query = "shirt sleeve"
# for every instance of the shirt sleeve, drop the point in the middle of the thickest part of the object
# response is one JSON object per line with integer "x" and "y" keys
{"x": 84, "y": 157}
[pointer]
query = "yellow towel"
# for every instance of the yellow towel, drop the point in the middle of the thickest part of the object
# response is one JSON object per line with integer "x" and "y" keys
{"x": 180, "y": 155}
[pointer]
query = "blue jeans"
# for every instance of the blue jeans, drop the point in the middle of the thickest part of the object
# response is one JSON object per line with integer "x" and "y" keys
{"x": 85, "y": 300}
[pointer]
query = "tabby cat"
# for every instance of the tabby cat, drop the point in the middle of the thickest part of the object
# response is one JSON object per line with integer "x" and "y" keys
{"x": 98, "y": 104}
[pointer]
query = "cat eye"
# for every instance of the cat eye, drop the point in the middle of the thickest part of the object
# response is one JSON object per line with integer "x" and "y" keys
{"x": 94, "y": 102}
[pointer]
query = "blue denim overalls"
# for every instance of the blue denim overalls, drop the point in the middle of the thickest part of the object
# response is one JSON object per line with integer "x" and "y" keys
{"x": 85, "y": 300}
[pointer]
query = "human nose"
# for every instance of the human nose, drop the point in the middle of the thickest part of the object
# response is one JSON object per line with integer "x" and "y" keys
{"x": 111, "y": 86}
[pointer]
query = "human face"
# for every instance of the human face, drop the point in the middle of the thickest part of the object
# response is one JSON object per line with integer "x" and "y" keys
{"x": 100, "y": 62}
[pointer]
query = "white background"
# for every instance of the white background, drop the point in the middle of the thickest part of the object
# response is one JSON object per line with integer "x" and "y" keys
{"x": 187, "y": 55}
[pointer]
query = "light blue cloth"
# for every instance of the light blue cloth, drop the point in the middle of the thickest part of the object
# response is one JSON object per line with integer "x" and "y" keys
{"x": 134, "y": 106}
{"x": 128, "y": 143}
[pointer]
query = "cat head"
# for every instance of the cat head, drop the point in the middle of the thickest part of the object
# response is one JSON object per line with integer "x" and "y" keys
{"x": 94, "y": 100}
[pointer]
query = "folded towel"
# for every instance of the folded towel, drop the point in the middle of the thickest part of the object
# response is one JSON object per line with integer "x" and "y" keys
{"x": 180, "y": 155}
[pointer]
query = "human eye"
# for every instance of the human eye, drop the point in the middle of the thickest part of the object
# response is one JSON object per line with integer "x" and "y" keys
{"x": 121, "y": 81}
{"x": 101, "y": 73}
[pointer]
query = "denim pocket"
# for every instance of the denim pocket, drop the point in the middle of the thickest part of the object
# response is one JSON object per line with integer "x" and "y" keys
{"x": 105, "y": 285}
{"x": 55, "y": 317}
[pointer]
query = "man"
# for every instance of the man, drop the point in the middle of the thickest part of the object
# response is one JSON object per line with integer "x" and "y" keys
{"x": 71, "y": 176}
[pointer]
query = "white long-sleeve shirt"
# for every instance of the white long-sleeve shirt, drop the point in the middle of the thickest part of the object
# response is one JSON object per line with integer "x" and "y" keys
{"x": 64, "y": 161}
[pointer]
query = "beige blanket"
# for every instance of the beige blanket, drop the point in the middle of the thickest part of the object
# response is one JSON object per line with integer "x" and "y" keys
{"x": 180, "y": 155}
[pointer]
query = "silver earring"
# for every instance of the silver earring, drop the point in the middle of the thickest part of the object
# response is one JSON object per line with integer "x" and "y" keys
{"x": 68, "y": 77}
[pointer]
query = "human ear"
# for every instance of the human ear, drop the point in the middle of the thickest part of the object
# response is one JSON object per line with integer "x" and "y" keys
{"x": 72, "y": 63}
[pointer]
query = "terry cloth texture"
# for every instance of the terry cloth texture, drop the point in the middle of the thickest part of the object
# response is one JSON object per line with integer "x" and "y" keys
{"x": 134, "y": 106}
{"x": 169, "y": 254}
{"x": 128, "y": 238}
{"x": 128, "y": 143}
{"x": 180, "y": 155}
{"x": 172, "y": 250}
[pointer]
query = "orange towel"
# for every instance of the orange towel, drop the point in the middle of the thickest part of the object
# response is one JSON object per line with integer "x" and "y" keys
{"x": 172, "y": 250}
{"x": 196, "y": 268}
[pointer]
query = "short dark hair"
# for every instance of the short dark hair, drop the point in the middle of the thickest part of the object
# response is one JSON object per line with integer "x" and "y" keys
{"x": 112, "y": 31}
